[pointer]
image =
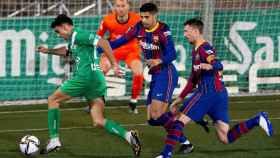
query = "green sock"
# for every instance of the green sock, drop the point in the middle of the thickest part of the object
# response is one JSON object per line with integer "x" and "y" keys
{"x": 114, "y": 128}
{"x": 53, "y": 122}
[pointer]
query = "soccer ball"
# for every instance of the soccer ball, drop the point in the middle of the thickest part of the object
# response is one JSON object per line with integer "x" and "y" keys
{"x": 29, "y": 145}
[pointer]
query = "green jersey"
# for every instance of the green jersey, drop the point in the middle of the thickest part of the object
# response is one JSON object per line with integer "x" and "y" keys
{"x": 82, "y": 46}
{"x": 87, "y": 80}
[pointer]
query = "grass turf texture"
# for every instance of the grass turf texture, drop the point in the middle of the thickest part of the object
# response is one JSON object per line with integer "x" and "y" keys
{"x": 81, "y": 140}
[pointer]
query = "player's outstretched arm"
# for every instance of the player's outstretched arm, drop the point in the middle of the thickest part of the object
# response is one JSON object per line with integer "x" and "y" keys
{"x": 104, "y": 44}
{"x": 62, "y": 51}
{"x": 129, "y": 35}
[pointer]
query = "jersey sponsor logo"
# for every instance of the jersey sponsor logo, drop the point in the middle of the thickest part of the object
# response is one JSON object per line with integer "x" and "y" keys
{"x": 149, "y": 46}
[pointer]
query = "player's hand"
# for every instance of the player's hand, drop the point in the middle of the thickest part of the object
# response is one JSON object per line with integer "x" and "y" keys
{"x": 205, "y": 66}
{"x": 117, "y": 70}
{"x": 43, "y": 49}
{"x": 174, "y": 105}
{"x": 153, "y": 62}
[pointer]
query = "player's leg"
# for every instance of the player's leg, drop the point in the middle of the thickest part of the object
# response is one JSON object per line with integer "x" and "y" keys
{"x": 95, "y": 92}
{"x": 70, "y": 88}
{"x": 97, "y": 111}
{"x": 192, "y": 109}
{"x": 227, "y": 135}
{"x": 54, "y": 117}
{"x": 134, "y": 63}
{"x": 161, "y": 95}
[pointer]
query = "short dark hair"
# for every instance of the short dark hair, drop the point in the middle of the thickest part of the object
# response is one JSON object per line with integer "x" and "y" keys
{"x": 197, "y": 23}
{"x": 149, "y": 7}
{"x": 61, "y": 19}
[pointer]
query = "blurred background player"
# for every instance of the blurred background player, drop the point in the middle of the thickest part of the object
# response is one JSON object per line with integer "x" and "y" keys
{"x": 159, "y": 52}
{"x": 88, "y": 81}
{"x": 210, "y": 97}
{"x": 116, "y": 24}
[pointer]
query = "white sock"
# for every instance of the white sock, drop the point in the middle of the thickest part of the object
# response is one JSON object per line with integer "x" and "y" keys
{"x": 133, "y": 100}
{"x": 55, "y": 139}
{"x": 127, "y": 137}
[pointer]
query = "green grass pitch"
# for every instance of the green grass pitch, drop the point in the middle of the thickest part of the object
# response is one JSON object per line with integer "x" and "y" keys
{"x": 81, "y": 140}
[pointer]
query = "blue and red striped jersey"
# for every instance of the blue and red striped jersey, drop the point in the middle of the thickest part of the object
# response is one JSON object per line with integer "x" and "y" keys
{"x": 207, "y": 81}
{"x": 156, "y": 43}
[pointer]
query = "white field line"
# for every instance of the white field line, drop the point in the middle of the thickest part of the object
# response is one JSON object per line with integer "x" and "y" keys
{"x": 89, "y": 127}
{"x": 123, "y": 107}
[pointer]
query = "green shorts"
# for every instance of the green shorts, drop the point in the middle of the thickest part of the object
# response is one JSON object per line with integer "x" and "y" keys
{"x": 91, "y": 86}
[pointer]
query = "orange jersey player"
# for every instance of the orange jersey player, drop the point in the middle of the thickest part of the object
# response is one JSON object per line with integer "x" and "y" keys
{"x": 116, "y": 29}
{"x": 118, "y": 23}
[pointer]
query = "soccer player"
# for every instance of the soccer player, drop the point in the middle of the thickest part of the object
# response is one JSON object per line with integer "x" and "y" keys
{"x": 87, "y": 81}
{"x": 117, "y": 23}
{"x": 159, "y": 51}
{"x": 210, "y": 97}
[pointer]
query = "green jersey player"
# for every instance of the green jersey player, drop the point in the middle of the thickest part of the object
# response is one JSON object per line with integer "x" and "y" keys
{"x": 87, "y": 81}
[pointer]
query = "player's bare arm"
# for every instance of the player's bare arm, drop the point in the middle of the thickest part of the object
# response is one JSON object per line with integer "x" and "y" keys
{"x": 61, "y": 51}
{"x": 104, "y": 44}
{"x": 153, "y": 62}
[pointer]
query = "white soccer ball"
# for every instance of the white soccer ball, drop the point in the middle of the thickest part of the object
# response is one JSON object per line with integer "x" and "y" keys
{"x": 29, "y": 145}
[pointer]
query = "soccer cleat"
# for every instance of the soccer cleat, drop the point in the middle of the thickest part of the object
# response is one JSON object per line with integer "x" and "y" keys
{"x": 135, "y": 143}
{"x": 53, "y": 145}
{"x": 132, "y": 108}
{"x": 162, "y": 156}
{"x": 204, "y": 124}
{"x": 265, "y": 124}
{"x": 186, "y": 148}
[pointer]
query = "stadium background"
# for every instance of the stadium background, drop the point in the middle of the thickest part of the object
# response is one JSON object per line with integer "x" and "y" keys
{"x": 244, "y": 32}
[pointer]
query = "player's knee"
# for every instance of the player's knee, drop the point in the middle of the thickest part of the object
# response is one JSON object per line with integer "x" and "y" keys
{"x": 138, "y": 74}
{"x": 52, "y": 102}
{"x": 51, "y": 98}
{"x": 155, "y": 114}
{"x": 98, "y": 123}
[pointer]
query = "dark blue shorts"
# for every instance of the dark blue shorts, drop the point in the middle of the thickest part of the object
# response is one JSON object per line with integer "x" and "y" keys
{"x": 214, "y": 104}
{"x": 163, "y": 85}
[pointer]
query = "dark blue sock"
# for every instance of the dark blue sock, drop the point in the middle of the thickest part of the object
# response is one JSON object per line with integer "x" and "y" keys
{"x": 241, "y": 128}
{"x": 182, "y": 138}
{"x": 167, "y": 151}
{"x": 173, "y": 136}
